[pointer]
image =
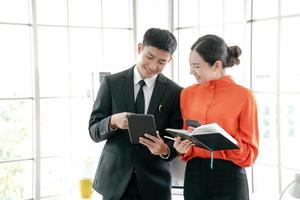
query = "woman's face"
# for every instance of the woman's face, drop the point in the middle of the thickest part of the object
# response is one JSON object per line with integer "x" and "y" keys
{"x": 202, "y": 71}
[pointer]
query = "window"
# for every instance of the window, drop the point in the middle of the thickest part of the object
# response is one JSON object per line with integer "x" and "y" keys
{"x": 47, "y": 91}
{"x": 16, "y": 105}
{"x": 269, "y": 41}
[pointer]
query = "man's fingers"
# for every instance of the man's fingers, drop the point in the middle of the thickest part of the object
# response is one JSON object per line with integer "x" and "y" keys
{"x": 153, "y": 138}
{"x": 158, "y": 136}
{"x": 145, "y": 142}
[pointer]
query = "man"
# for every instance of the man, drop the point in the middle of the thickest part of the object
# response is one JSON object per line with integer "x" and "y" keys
{"x": 127, "y": 171}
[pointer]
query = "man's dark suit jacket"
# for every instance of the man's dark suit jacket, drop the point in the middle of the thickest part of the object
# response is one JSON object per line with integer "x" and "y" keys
{"x": 119, "y": 157}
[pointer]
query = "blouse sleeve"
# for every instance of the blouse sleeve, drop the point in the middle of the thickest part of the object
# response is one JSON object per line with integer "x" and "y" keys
{"x": 247, "y": 136}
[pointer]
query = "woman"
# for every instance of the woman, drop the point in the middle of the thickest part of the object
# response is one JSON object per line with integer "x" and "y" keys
{"x": 216, "y": 98}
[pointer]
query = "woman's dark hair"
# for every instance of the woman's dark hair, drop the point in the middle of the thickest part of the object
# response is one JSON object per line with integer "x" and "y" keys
{"x": 212, "y": 48}
{"x": 160, "y": 38}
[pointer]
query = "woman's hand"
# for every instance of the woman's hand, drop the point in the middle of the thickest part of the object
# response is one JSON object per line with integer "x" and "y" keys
{"x": 190, "y": 129}
{"x": 182, "y": 147}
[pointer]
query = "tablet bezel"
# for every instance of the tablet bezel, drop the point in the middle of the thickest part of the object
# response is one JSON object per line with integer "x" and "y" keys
{"x": 139, "y": 124}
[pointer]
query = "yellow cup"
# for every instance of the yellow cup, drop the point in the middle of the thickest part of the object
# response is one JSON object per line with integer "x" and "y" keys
{"x": 85, "y": 186}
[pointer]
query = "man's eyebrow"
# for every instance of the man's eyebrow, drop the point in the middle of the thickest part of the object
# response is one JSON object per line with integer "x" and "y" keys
{"x": 163, "y": 60}
{"x": 150, "y": 54}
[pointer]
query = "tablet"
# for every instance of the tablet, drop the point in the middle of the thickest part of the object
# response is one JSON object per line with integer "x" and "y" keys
{"x": 139, "y": 124}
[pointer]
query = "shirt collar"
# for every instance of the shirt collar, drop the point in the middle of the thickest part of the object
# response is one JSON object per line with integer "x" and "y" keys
{"x": 137, "y": 77}
{"x": 224, "y": 81}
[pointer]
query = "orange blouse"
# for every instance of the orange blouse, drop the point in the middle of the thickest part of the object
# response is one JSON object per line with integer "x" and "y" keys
{"x": 231, "y": 106}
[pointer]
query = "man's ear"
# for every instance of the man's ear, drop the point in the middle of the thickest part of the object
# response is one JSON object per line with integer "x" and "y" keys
{"x": 171, "y": 58}
{"x": 140, "y": 48}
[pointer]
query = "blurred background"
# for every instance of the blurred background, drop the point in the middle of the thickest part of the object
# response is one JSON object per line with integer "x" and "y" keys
{"x": 54, "y": 53}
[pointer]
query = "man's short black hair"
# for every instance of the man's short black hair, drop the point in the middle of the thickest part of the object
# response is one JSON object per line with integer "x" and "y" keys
{"x": 160, "y": 38}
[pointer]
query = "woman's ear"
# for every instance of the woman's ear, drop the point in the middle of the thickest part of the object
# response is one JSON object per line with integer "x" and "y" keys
{"x": 218, "y": 66}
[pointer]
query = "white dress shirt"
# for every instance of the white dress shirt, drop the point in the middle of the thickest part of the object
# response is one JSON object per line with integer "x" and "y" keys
{"x": 148, "y": 88}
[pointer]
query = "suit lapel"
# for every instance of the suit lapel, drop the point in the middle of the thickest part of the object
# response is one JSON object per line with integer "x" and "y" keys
{"x": 158, "y": 91}
{"x": 128, "y": 91}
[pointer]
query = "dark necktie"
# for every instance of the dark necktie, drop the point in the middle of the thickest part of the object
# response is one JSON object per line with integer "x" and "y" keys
{"x": 140, "y": 99}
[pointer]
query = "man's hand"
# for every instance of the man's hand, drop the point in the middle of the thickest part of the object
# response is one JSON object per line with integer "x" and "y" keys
{"x": 119, "y": 120}
{"x": 156, "y": 145}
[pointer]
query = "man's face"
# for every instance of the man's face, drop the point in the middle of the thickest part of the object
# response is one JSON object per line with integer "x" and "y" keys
{"x": 153, "y": 60}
